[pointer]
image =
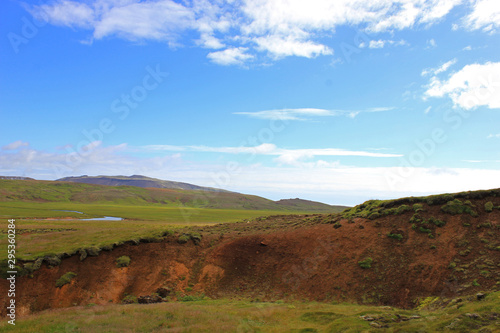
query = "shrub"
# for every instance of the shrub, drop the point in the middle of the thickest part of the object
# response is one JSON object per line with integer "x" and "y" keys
{"x": 365, "y": 263}
{"x": 425, "y": 230}
{"x": 83, "y": 254}
{"x": 401, "y": 209}
{"x": 52, "y": 260}
{"x": 418, "y": 207}
{"x": 395, "y": 236}
{"x": 456, "y": 206}
{"x": 184, "y": 238}
{"x": 123, "y": 261}
{"x": 437, "y": 222}
{"x": 488, "y": 206}
{"x": 415, "y": 218}
{"x": 196, "y": 238}
{"x": 65, "y": 279}
{"x": 93, "y": 251}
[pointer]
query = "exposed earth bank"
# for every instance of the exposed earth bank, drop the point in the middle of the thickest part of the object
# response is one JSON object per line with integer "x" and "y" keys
{"x": 400, "y": 254}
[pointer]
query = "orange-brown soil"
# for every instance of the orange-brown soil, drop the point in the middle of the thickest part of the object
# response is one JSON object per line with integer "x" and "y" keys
{"x": 288, "y": 257}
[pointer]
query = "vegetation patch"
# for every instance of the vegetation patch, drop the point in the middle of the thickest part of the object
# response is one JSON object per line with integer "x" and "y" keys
{"x": 395, "y": 236}
{"x": 65, "y": 279}
{"x": 130, "y": 299}
{"x": 365, "y": 263}
{"x": 123, "y": 261}
{"x": 456, "y": 206}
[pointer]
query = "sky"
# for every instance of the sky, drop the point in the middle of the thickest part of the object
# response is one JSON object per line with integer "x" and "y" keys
{"x": 335, "y": 101}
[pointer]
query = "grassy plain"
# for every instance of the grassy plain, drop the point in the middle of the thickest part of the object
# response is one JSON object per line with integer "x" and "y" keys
{"x": 245, "y": 316}
{"x": 41, "y": 231}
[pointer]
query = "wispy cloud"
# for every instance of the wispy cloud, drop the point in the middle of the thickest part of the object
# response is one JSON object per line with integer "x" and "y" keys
{"x": 307, "y": 113}
{"x": 293, "y": 157}
{"x": 497, "y": 136}
{"x": 443, "y": 68}
{"x": 15, "y": 145}
{"x": 379, "y": 44}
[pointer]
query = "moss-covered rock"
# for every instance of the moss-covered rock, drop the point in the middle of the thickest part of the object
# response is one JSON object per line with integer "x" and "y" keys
{"x": 65, "y": 279}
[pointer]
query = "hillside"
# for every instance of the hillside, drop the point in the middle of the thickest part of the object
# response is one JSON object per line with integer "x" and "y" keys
{"x": 139, "y": 181}
{"x": 408, "y": 253}
{"x": 74, "y": 192}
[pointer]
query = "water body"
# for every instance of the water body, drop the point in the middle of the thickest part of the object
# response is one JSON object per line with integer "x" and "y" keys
{"x": 104, "y": 218}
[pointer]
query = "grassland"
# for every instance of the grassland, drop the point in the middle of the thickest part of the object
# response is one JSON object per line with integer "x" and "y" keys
{"x": 37, "y": 191}
{"x": 46, "y": 225}
{"x": 41, "y": 236}
{"x": 244, "y": 316}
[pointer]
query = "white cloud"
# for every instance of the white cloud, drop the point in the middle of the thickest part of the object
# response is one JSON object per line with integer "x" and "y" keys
{"x": 15, "y": 145}
{"x": 66, "y": 13}
{"x": 230, "y": 56}
{"x": 494, "y": 136}
{"x": 279, "y": 28}
{"x": 485, "y": 16}
{"x": 285, "y": 155}
{"x": 431, "y": 43}
{"x": 467, "y": 48}
{"x": 306, "y": 113}
{"x": 443, "y": 68}
{"x": 210, "y": 42}
{"x": 280, "y": 47}
{"x": 378, "y": 44}
{"x": 474, "y": 85}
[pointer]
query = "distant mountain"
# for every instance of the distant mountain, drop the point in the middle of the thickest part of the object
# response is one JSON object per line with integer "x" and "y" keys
{"x": 15, "y": 178}
{"x": 139, "y": 181}
{"x": 77, "y": 190}
{"x": 301, "y": 204}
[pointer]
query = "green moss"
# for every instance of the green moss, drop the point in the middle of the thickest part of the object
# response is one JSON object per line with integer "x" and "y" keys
{"x": 488, "y": 207}
{"x": 123, "y": 261}
{"x": 65, "y": 279}
{"x": 365, "y": 263}
{"x": 395, "y": 236}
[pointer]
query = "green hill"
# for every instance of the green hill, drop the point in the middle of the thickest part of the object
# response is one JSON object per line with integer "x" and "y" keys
{"x": 59, "y": 191}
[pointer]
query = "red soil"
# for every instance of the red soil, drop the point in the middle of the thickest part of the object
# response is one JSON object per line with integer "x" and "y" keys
{"x": 299, "y": 257}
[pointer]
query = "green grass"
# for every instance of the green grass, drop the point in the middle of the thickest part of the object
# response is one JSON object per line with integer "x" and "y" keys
{"x": 40, "y": 237}
{"x": 64, "y": 192}
{"x": 244, "y": 316}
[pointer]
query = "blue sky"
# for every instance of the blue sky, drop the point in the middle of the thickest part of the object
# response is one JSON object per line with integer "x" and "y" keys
{"x": 335, "y": 101}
